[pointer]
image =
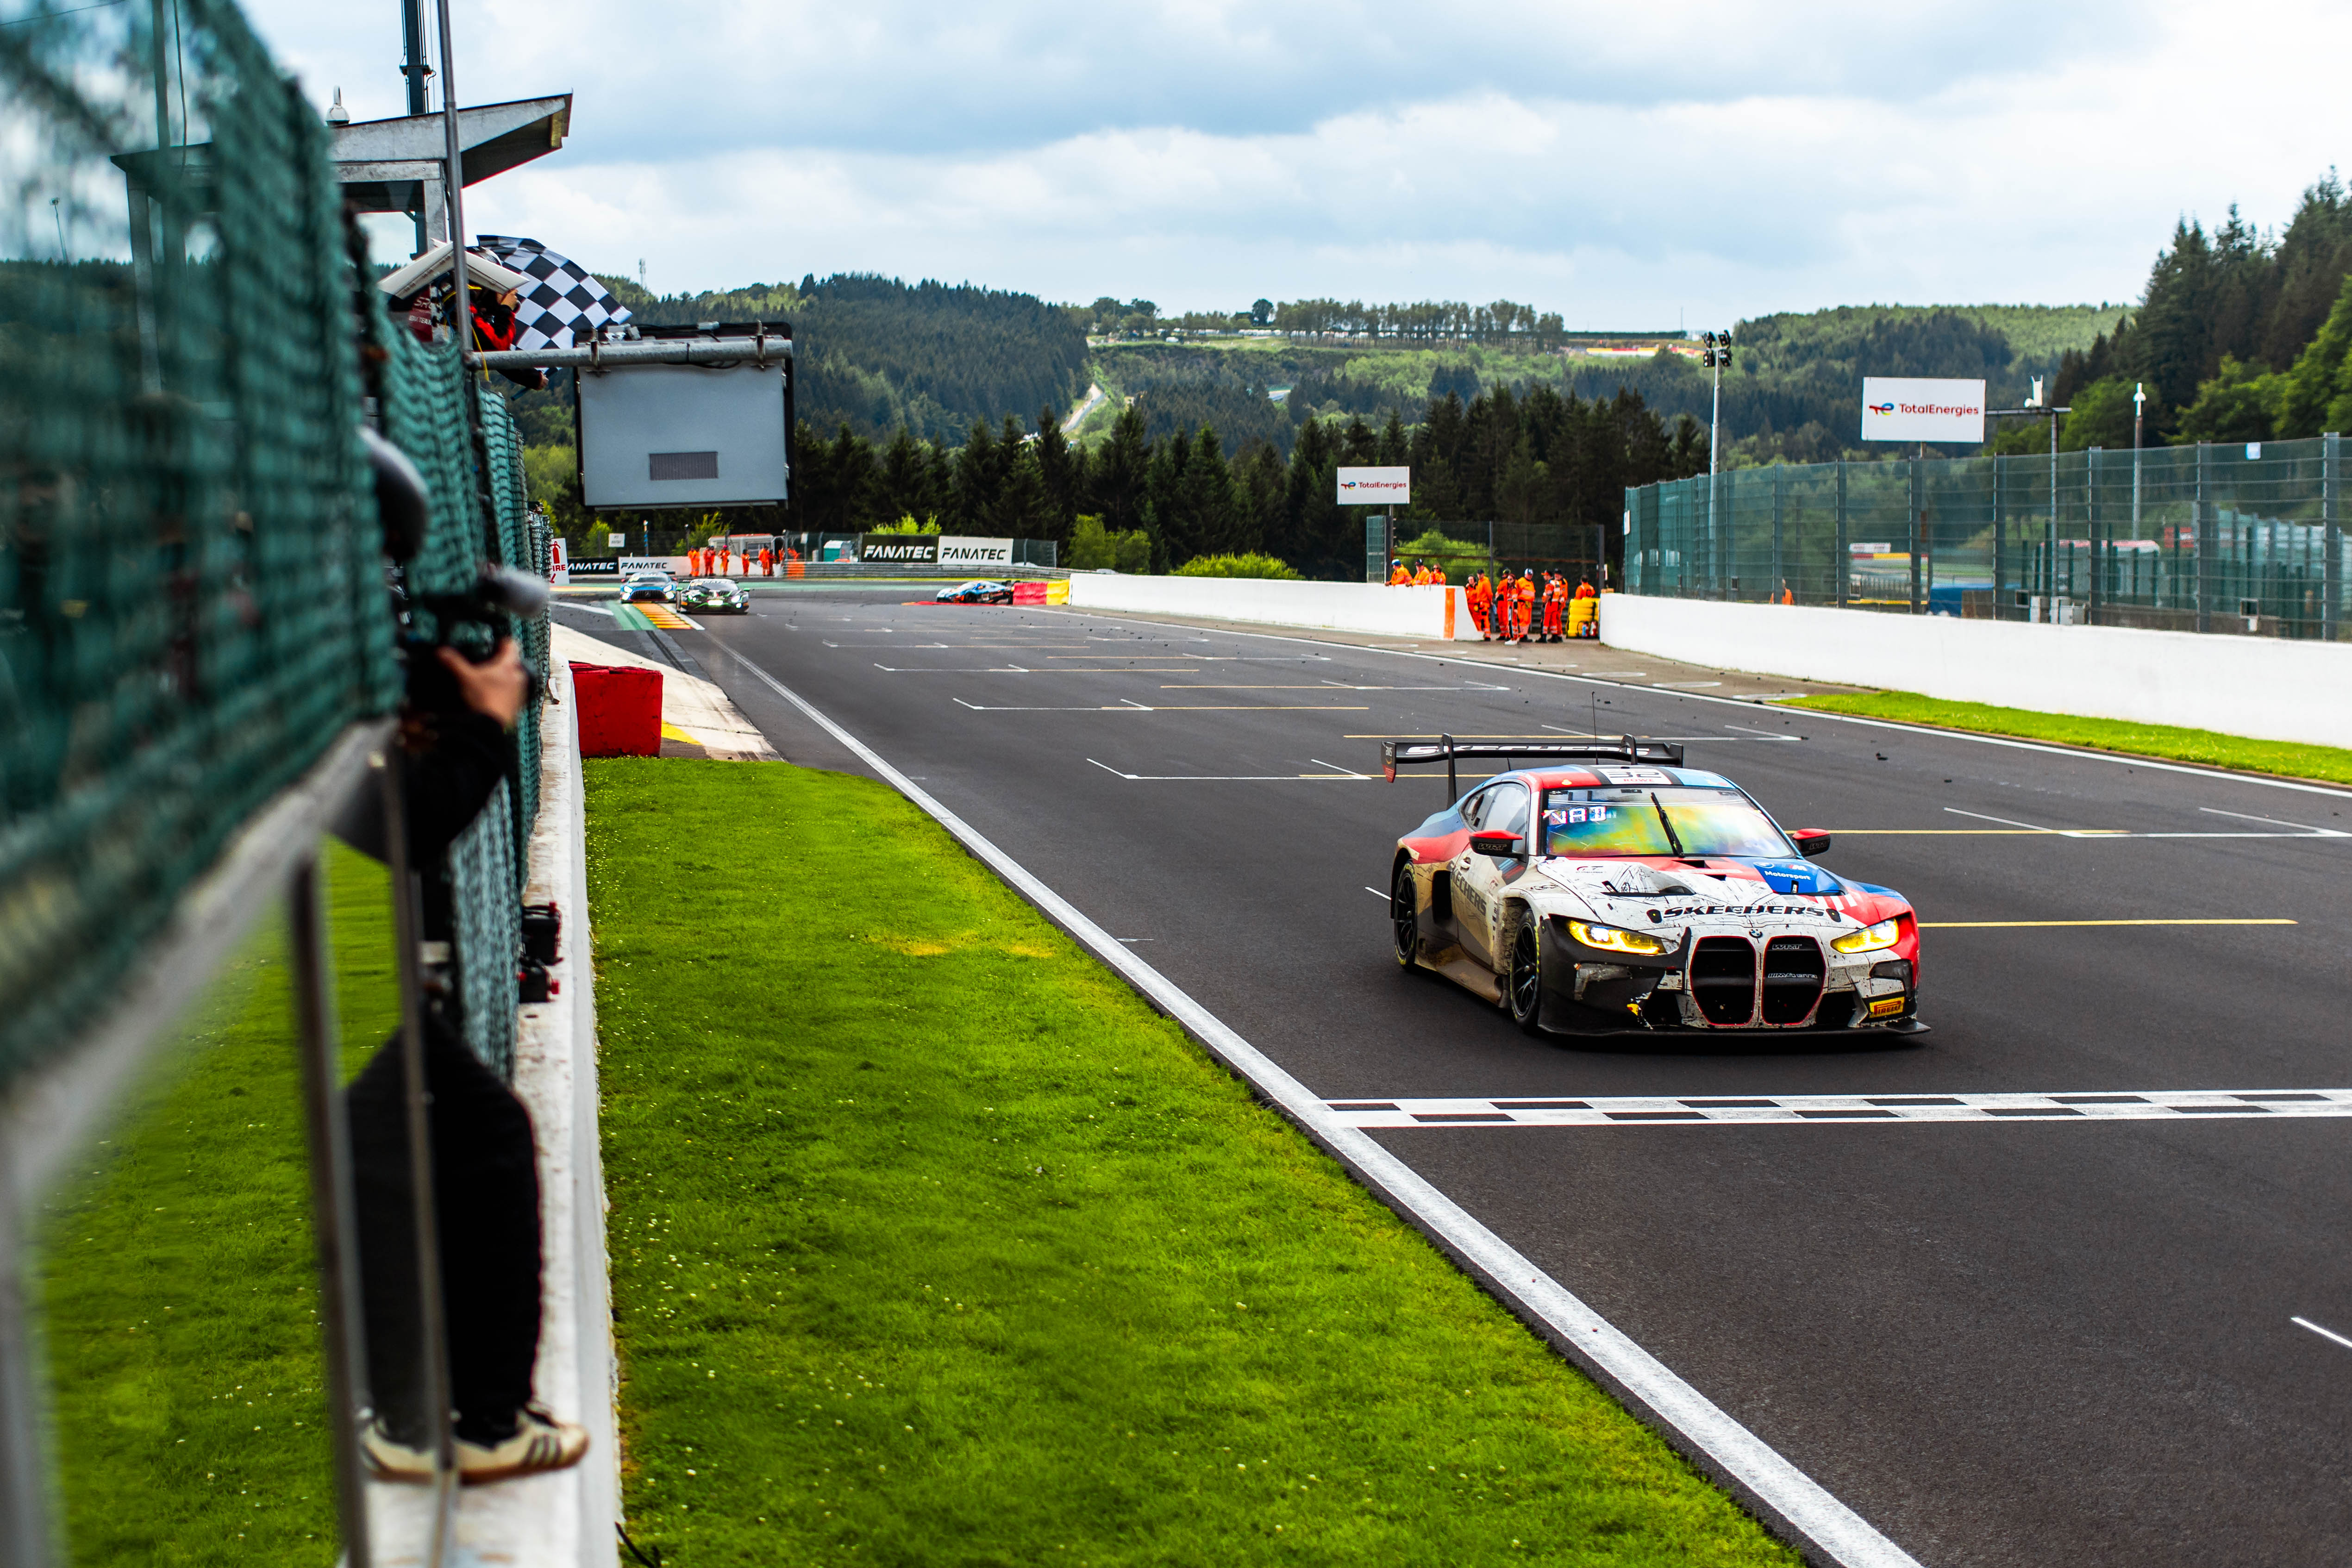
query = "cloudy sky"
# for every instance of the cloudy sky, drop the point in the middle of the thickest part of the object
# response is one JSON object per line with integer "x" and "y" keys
{"x": 1629, "y": 165}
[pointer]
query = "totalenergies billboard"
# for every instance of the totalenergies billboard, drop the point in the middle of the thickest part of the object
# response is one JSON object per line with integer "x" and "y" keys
{"x": 1910, "y": 408}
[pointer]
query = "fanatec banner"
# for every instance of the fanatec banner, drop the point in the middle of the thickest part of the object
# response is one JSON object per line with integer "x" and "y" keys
{"x": 1904, "y": 408}
{"x": 933, "y": 549}
{"x": 954, "y": 552}
{"x": 1375, "y": 486}
{"x": 899, "y": 549}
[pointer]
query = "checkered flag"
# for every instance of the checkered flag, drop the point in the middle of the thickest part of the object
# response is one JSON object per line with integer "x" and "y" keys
{"x": 564, "y": 305}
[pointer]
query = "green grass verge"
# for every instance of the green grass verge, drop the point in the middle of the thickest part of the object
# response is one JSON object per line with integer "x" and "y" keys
{"x": 177, "y": 1279}
{"x": 933, "y": 1244}
{"x": 2330, "y": 763}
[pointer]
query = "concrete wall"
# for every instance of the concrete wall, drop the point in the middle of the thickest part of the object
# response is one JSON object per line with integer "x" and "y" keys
{"x": 2261, "y": 686}
{"x": 1328, "y": 606}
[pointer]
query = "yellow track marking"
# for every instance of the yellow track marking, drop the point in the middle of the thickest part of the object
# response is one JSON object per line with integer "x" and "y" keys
{"x": 662, "y": 616}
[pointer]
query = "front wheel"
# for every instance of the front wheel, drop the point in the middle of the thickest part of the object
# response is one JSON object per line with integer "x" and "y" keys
{"x": 1404, "y": 923}
{"x": 1527, "y": 975}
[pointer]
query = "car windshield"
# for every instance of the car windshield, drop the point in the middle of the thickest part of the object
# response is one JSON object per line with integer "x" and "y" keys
{"x": 714, "y": 582}
{"x": 1627, "y": 821}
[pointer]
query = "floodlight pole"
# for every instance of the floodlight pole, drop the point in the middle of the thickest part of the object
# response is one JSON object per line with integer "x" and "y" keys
{"x": 412, "y": 34}
{"x": 453, "y": 182}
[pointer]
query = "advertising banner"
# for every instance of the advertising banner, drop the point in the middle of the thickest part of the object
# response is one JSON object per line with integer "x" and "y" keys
{"x": 594, "y": 566}
{"x": 675, "y": 564}
{"x": 955, "y": 551}
{"x": 1904, "y": 408}
{"x": 899, "y": 549}
{"x": 1375, "y": 486}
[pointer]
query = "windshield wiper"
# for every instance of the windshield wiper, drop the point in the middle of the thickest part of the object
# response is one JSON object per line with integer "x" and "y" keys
{"x": 1665, "y": 822}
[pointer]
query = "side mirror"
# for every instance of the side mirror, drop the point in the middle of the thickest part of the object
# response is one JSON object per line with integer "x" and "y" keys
{"x": 1498, "y": 846}
{"x": 1811, "y": 842}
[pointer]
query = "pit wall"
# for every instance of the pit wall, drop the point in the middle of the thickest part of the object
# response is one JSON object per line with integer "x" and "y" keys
{"x": 1434, "y": 613}
{"x": 2264, "y": 687}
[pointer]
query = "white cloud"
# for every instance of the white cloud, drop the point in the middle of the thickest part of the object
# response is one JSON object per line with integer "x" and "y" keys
{"x": 1621, "y": 164}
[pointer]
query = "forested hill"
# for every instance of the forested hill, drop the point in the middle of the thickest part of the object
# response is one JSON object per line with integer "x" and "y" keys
{"x": 877, "y": 354}
{"x": 2242, "y": 335}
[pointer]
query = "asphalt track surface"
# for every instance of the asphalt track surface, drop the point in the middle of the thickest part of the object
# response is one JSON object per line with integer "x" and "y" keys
{"x": 2020, "y": 1328}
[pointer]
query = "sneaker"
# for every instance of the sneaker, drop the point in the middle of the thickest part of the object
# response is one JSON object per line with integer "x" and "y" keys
{"x": 389, "y": 1461}
{"x": 540, "y": 1442}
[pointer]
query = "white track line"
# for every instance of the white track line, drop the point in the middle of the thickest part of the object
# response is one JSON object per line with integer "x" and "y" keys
{"x": 1761, "y": 702}
{"x": 1791, "y": 1110}
{"x": 2323, "y": 1333}
{"x": 1734, "y": 1454}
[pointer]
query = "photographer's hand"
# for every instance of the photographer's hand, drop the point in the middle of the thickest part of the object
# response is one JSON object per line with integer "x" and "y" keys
{"x": 494, "y": 688}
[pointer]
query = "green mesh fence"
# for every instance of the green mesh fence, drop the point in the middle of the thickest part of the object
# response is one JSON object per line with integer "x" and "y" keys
{"x": 191, "y": 598}
{"x": 479, "y": 513}
{"x": 488, "y": 934}
{"x": 2213, "y": 537}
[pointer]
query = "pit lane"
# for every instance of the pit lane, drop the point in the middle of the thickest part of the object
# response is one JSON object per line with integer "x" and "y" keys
{"x": 2001, "y": 1338}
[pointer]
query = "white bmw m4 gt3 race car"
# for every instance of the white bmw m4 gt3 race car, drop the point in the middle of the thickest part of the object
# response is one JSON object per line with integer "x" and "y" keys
{"x": 1613, "y": 890}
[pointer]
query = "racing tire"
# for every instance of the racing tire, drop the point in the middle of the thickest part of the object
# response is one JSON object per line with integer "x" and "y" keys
{"x": 1523, "y": 986}
{"x": 1404, "y": 922}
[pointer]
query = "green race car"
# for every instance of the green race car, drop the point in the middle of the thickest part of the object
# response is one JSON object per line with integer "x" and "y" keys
{"x": 715, "y": 596}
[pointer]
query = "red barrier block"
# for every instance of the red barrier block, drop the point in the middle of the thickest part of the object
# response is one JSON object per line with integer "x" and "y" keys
{"x": 619, "y": 708}
{"x": 1029, "y": 593}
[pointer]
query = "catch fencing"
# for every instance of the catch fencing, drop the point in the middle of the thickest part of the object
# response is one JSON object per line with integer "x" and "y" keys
{"x": 2210, "y": 538}
{"x": 202, "y": 654}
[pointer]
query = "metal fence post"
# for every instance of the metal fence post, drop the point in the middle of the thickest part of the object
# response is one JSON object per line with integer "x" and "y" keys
{"x": 2099, "y": 563}
{"x": 1843, "y": 557}
{"x": 1779, "y": 571}
{"x": 2000, "y": 546}
{"x": 2331, "y": 566}
{"x": 334, "y": 1220}
{"x": 2202, "y": 543}
{"x": 24, "y": 1496}
{"x": 1913, "y": 515}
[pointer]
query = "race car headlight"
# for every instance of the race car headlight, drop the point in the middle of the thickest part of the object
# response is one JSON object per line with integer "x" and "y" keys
{"x": 1608, "y": 938}
{"x": 1870, "y": 939}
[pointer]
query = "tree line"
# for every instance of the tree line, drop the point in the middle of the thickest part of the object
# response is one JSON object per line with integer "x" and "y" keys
{"x": 2241, "y": 335}
{"x": 1539, "y": 458}
{"x": 1428, "y": 321}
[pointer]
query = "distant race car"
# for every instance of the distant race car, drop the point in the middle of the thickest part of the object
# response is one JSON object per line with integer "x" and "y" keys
{"x": 715, "y": 595}
{"x": 1612, "y": 891}
{"x": 655, "y": 585}
{"x": 976, "y": 593}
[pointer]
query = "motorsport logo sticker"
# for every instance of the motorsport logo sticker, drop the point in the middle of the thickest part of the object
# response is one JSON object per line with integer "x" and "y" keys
{"x": 1375, "y": 486}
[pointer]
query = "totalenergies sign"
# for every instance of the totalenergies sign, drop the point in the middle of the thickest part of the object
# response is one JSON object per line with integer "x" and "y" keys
{"x": 1375, "y": 486}
{"x": 1906, "y": 408}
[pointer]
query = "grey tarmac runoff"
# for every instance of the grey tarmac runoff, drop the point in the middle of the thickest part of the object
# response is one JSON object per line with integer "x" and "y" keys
{"x": 2063, "y": 1279}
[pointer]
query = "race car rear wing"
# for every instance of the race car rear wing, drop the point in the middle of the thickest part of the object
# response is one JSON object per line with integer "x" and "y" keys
{"x": 1396, "y": 754}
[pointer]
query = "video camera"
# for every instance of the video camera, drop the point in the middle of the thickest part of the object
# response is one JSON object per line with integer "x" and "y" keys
{"x": 497, "y": 594}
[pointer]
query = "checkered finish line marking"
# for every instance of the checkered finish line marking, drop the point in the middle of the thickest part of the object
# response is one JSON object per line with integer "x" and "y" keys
{"x": 1728, "y": 1110}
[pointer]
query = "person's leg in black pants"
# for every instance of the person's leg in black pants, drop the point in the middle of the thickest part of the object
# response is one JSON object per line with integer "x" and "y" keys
{"x": 486, "y": 1203}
